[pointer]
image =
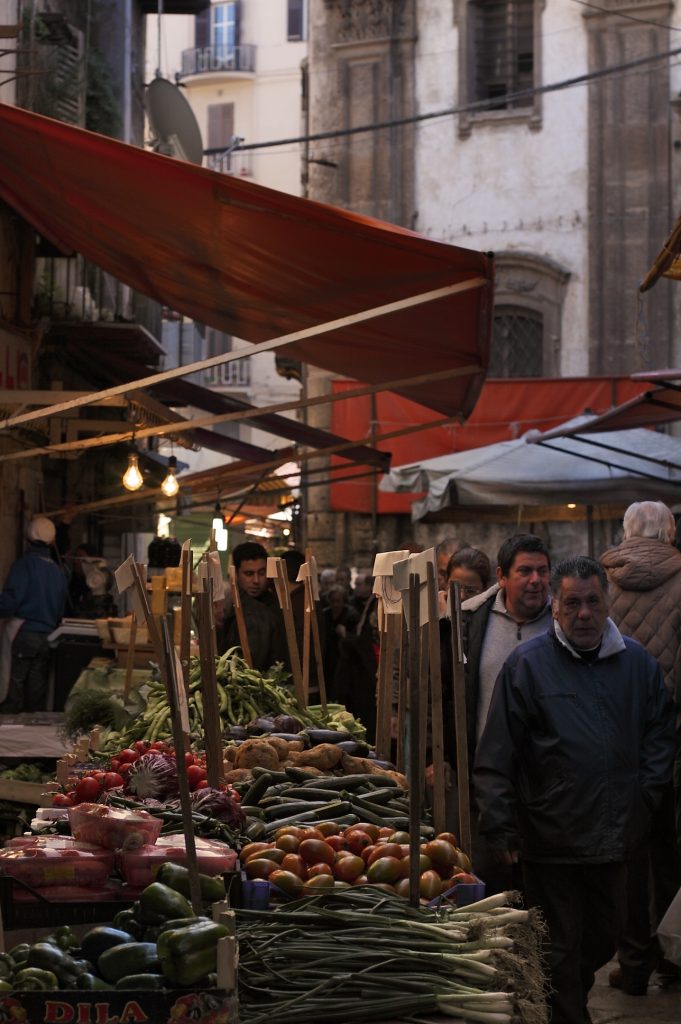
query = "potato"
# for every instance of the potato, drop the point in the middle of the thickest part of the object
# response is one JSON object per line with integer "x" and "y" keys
{"x": 238, "y": 775}
{"x": 281, "y": 746}
{"x": 324, "y": 756}
{"x": 257, "y": 753}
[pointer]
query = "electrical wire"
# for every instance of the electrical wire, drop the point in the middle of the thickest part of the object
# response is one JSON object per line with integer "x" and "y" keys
{"x": 628, "y": 17}
{"x": 478, "y": 106}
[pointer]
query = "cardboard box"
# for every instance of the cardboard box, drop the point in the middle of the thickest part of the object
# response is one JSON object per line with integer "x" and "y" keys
{"x": 175, "y": 1006}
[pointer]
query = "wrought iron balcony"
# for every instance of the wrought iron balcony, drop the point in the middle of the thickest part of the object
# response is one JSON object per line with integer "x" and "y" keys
{"x": 218, "y": 59}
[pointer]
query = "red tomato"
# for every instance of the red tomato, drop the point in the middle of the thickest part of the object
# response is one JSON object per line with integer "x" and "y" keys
{"x": 430, "y": 885}
{"x": 384, "y": 869}
{"x": 337, "y": 843}
{"x": 124, "y": 768}
{"x": 292, "y": 862}
{"x": 373, "y": 831}
{"x": 189, "y": 758}
{"x": 357, "y": 840}
{"x": 62, "y": 800}
{"x": 260, "y": 868}
{"x": 252, "y": 849}
{"x": 160, "y": 745}
{"x": 128, "y": 756}
{"x": 328, "y": 828}
{"x": 87, "y": 790}
{"x": 141, "y": 746}
{"x": 286, "y": 881}
{"x": 318, "y": 869}
{"x": 114, "y": 764}
{"x": 100, "y": 776}
{"x": 316, "y": 851}
{"x": 347, "y": 869}
{"x": 203, "y": 784}
{"x": 385, "y": 850}
{"x": 448, "y": 837}
{"x": 288, "y": 843}
{"x": 112, "y": 780}
{"x": 195, "y": 774}
{"x": 323, "y": 882}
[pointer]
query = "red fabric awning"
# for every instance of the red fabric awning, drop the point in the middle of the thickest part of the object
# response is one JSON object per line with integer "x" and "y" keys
{"x": 651, "y": 407}
{"x": 505, "y": 410}
{"x": 254, "y": 262}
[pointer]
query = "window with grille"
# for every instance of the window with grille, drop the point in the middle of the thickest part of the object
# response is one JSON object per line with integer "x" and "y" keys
{"x": 295, "y": 27}
{"x": 517, "y": 343}
{"x": 499, "y": 61}
{"x": 503, "y": 40}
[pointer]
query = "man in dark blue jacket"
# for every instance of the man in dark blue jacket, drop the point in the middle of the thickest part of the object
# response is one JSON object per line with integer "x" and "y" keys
{"x": 578, "y": 745}
{"x": 33, "y": 600}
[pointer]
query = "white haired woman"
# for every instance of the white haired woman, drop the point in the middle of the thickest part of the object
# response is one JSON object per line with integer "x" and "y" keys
{"x": 644, "y": 576}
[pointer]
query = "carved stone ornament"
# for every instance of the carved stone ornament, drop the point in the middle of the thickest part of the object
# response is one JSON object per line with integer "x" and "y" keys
{"x": 369, "y": 19}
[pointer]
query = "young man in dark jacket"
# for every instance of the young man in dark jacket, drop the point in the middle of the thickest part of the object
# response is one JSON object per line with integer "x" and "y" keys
{"x": 573, "y": 759}
{"x": 33, "y": 600}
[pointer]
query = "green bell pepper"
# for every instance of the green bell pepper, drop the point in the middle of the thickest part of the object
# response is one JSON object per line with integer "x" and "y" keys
{"x": 33, "y": 979}
{"x": 189, "y": 954}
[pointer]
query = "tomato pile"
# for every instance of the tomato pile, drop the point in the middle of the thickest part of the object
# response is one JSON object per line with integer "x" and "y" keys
{"x": 302, "y": 861}
{"x": 90, "y": 785}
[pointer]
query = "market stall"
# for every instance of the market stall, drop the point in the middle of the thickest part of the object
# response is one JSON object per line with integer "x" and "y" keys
{"x": 336, "y": 850}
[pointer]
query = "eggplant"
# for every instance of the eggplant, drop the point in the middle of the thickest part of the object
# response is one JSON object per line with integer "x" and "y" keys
{"x": 354, "y": 747}
{"x": 260, "y": 726}
{"x": 287, "y": 723}
{"x": 237, "y": 732}
{"x": 327, "y": 736}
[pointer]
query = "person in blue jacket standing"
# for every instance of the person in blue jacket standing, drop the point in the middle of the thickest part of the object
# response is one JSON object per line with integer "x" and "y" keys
{"x": 33, "y": 602}
{"x": 573, "y": 760}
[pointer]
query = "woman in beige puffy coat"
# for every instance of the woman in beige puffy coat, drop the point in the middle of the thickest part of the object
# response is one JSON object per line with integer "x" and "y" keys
{"x": 644, "y": 575}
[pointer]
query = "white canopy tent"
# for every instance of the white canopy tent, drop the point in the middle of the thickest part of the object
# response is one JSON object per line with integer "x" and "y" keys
{"x": 592, "y": 469}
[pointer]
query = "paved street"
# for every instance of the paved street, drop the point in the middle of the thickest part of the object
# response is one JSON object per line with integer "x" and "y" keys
{"x": 609, "y": 1006}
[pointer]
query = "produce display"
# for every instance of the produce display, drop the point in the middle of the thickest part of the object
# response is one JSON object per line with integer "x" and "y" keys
{"x": 364, "y": 954}
{"x": 158, "y": 943}
{"x": 44, "y": 861}
{"x": 303, "y": 860}
{"x": 245, "y": 695}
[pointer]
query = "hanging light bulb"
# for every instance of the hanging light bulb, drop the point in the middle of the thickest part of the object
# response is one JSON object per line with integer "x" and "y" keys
{"x": 170, "y": 486}
{"x": 219, "y": 529}
{"x": 132, "y": 478}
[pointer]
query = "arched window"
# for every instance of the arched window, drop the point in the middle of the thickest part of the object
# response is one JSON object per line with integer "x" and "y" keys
{"x": 529, "y": 294}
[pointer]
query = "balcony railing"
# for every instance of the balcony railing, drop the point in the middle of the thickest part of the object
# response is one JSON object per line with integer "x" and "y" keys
{"x": 236, "y": 374}
{"x": 210, "y": 59}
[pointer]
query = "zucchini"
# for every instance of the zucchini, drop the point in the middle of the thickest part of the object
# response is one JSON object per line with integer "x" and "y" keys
{"x": 257, "y": 789}
{"x": 337, "y": 781}
{"x": 128, "y": 958}
{"x": 285, "y": 810}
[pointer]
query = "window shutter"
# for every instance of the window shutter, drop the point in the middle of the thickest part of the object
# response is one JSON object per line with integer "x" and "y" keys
{"x": 202, "y": 29}
{"x": 220, "y": 124}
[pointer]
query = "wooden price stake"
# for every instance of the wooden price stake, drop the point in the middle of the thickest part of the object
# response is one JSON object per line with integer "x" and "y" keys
{"x": 209, "y": 687}
{"x": 414, "y": 741}
{"x": 384, "y": 684}
{"x": 459, "y": 687}
{"x": 437, "y": 730}
{"x": 311, "y": 617}
{"x": 130, "y": 657}
{"x": 186, "y": 610}
{"x": 277, "y": 572}
{"x": 128, "y": 577}
{"x": 179, "y": 714}
{"x": 239, "y": 616}
{"x": 402, "y": 695}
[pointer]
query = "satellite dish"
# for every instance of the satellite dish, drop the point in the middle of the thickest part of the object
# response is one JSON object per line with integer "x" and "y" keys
{"x": 176, "y": 131}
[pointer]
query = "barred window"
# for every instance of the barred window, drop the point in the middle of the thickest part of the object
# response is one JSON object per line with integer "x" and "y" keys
{"x": 517, "y": 343}
{"x": 503, "y": 39}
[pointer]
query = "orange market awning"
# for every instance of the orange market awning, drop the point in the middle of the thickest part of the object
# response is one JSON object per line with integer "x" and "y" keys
{"x": 505, "y": 410}
{"x": 254, "y": 262}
